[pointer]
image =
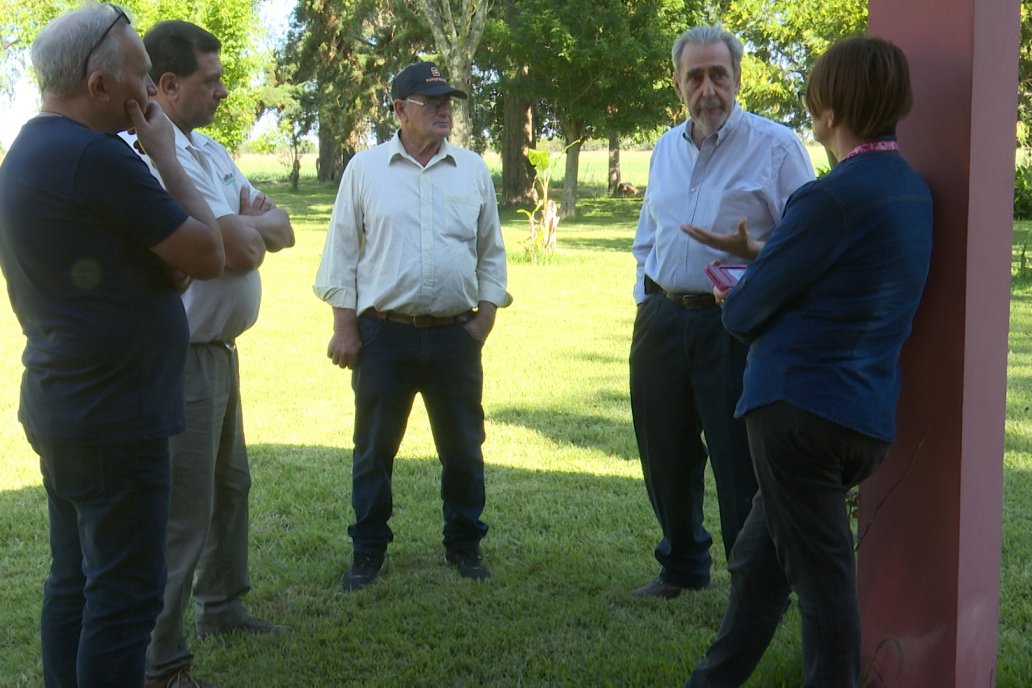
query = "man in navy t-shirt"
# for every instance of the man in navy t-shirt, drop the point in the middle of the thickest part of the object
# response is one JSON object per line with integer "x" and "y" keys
{"x": 94, "y": 252}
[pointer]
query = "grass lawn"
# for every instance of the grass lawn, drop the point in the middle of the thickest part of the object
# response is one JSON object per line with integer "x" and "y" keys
{"x": 571, "y": 528}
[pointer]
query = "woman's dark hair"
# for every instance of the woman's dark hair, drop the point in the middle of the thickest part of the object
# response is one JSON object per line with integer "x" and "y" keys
{"x": 865, "y": 81}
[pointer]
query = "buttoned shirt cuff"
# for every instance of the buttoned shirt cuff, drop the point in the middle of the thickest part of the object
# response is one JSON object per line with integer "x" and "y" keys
{"x": 338, "y": 297}
{"x": 495, "y": 294}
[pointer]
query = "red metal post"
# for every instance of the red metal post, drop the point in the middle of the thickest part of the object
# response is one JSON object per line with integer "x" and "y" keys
{"x": 929, "y": 554}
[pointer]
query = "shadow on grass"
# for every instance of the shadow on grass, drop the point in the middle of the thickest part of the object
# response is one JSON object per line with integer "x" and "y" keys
{"x": 604, "y": 432}
{"x": 565, "y": 549}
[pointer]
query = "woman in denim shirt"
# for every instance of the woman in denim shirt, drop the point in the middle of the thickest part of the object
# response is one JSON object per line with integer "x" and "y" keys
{"x": 825, "y": 307}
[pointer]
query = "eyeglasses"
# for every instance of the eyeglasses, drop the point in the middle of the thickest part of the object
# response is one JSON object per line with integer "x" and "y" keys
{"x": 119, "y": 15}
{"x": 432, "y": 105}
{"x": 802, "y": 100}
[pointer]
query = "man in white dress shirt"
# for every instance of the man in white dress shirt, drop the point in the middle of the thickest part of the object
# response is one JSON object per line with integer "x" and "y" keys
{"x": 208, "y": 523}
{"x": 414, "y": 268}
{"x": 721, "y": 168}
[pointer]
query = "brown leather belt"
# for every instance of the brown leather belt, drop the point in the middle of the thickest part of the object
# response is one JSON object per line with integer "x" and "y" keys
{"x": 418, "y": 320}
{"x": 689, "y": 301}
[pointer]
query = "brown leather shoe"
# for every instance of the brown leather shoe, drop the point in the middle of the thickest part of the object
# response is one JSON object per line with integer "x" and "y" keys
{"x": 666, "y": 591}
{"x": 180, "y": 678}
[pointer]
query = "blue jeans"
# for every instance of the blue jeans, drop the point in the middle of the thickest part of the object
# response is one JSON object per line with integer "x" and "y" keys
{"x": 108, "y": 509}
{"x": 797, "y": 537}
{"x": 443, "y": 364}
{"x": 686, "y": 377}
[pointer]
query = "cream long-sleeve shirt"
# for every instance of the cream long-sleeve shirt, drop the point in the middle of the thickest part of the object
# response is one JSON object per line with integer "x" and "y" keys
{"x": 414, "y": 239}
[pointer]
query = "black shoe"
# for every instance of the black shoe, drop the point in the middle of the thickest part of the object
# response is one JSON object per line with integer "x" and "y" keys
{"x": 667, "y": 591}
{"x": 248, "y": 624}
{"x": 364, "y": 570}
{"x": 468, "y": 563}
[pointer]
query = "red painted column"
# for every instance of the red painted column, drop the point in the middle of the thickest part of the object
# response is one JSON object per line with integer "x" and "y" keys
{"x": 930, "y": 518}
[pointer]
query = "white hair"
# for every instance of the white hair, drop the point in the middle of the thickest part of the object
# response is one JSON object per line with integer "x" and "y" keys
{"x": 62, "y": 47}
{"x": 708, "y": 35}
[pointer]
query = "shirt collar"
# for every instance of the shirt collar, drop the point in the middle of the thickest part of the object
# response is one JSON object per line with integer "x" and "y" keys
{"x": 183, "y": 141}
{"x": 396, "y": 148}
{"x": 733, "y": 121}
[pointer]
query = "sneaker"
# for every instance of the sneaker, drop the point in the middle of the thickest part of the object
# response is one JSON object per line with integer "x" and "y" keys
{"x": 180, "y": 678}
{"x": 364, "y": 570}
{"x": 248, "y": 624}
{"x": 468, "y": 563}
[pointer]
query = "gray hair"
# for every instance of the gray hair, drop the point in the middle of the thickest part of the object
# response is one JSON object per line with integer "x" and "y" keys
{"x": 708, "y": 35}
{"x": 62, "y": 47}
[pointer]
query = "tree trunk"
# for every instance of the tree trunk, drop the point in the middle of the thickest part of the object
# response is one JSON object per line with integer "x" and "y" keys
{"x": 328, "y": 166}
{"x": 614, "y": 162}
{"x": 457, "y": 35}
{"x": 517, "y": 172}
{"x": 460, "y": 77}
{"x": 569, "y": 205}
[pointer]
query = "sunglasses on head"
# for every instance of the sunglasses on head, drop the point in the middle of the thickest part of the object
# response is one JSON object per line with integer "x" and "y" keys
{"x": 119, "y": 14}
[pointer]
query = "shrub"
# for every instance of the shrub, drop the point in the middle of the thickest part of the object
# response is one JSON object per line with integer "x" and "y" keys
{"x": 1023, "y": 191}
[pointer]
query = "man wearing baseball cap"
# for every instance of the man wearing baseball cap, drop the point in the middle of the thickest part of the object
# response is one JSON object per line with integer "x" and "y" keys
{"x": 414, "y": 268}
{"x": 422, "y": 78}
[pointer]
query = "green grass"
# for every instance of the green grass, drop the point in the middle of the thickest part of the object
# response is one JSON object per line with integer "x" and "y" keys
{"x": 571, "y": 528}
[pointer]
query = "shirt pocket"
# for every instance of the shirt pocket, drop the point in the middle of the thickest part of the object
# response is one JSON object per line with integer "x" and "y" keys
{"x": 738, "y": 203}
{"x": 461, "y": 214}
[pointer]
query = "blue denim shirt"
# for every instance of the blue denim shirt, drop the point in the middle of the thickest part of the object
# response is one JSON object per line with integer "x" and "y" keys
{"x": 829, "y": 301}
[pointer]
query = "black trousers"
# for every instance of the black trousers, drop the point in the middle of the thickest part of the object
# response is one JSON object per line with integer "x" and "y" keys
{"x": 797, "y": 537}
{"x": 686, "y": 377}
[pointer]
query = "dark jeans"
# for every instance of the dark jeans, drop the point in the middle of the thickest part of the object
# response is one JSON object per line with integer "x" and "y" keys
{"x": 443, "y": 364}
{"x": 686, "y": 377}
{"x": 797, "y": 537}
{"x": 108, "y": 511}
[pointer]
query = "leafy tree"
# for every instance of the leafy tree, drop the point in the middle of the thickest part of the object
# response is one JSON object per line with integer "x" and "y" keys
{"x": 783, "y": 40}
{"x": 345, "y": 52}
{"x": 237, "y": 25}
{"x": 235, "y": 22}
{"x": 510, "y": 119}
{"x": 457, "y": 27}
{"x": 587, "y": 70}
{"x": 19, "y": 24}
{"x": 648, "y": 96}
{"x": 1025, "y": 75}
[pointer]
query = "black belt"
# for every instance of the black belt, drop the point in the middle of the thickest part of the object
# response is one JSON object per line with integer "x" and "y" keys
{"x": 689, "y": 301}
{"x": 418, "y": 320}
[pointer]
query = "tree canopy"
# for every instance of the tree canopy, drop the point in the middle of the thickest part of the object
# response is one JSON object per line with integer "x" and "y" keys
{"x": 593, "y": 77}
{"x": 1025, "y": 72}
{"x": 343, "y": 54}
{"x": 234, "y": 22}
{"x": 575, "y": 70}
{"x": 783, "y": 40}
{"x": 536, "y": 69}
